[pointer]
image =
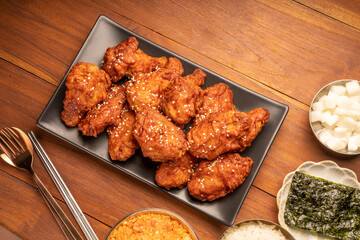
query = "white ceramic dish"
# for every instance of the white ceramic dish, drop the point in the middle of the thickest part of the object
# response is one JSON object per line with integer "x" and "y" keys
{"x": 317, "y": 126}
{"x": 257, "y": 222}
{"x": 328, "y": 170}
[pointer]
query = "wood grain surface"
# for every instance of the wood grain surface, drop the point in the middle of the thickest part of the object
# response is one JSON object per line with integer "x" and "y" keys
{"x": 346, "y": 12}
{"x": 285, "y": 50}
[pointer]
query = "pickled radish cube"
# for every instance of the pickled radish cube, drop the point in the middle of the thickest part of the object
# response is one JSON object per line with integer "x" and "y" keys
{"x": 338, "y": 89}
{"x": 344, "y": 102}
{"x": 330, "y": 102}
{"x": 354, "y": 143}
{"x": 324, "y": 135}
{"x": 330, "y": 121}
{"x": 352, "y": 88}
{"x": 335, "y": 144}
{"x": 344, "y": 112}
{"x": 332, "y": 94}
{"x": 340, "y": 111}
{"x": 321, "y": 98}
{"x": 315, "y": 116}
{"x": 347, "y": 122}
{"x": 348, "y": 136}
{"x": 325, "y": 115}
{"x": 356, "y": 106}
{"x": 355, "y": 99}
{"x": 318, "y": 106}
{"x": 357, "y": 127}
{"x": 352, "y": 113}
{"x": 340, "y": 132}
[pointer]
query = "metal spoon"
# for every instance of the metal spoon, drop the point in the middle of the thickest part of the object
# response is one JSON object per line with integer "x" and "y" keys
{"x": 17, "y": 150}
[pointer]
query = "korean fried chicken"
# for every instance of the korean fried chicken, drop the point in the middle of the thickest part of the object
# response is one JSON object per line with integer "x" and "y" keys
{"x": 197, "y": 77}
{"x": 218, "y": 133}
{"x": 147, "y": 111}
{"x": 145, "y": 63}
{"x": 159, "y": 138}
{"x": 86, "y": 86}
{"x": 216, "y": 98}
{"x": 175, "y": 174}
{"x": 182, "y": 95}
{"x": 147, "y": 90}
{"x": 104, "y": 113}
{"x": 122, "y": 144}
{"x": 174, "y": 68}
{"x": 214, "y": 179}
{"x": 260, "y": 117}
{"x": 126, "y": 59}
{"x": 118, "y": 58}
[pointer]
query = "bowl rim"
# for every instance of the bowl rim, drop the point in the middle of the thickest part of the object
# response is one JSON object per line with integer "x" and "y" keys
{"x": 171, "y": 214}
{"x": 317, "y": 96}
{"x": 285, "y": 232}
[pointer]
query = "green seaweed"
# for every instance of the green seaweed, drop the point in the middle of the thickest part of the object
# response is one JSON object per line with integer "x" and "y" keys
{"x": 324, "y": 207}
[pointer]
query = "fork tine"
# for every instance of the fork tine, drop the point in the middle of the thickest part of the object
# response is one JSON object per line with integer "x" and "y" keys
{"x": 11, "y": 143}
{"x": 6, "y": 157}
{"x": 16, "y": 137}
{"x": 7, "y": 143}
{"x": 11, "y": 139}
{"x": 6, "y": 148}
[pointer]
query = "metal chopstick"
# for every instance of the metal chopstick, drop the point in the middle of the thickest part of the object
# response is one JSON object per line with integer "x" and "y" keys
{"x": 69, "y": 199}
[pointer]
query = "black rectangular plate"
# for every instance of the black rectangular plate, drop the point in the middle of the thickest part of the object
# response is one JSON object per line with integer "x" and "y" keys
{"x": 107, "y": 33}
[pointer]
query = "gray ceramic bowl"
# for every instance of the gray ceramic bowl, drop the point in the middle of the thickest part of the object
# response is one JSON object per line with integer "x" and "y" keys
{"x": 287, "y": 235}
{"x": 316, "y": 126}
{"x": 172, "y": 215}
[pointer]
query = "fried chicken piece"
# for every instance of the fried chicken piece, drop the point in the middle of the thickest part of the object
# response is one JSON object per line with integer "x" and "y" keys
{"x": 182, "y": 95}
{"x": 147, "y": 90}
{"x": 214, "y": 179}
{"x": 122, "y": 144}
{"x": 197, "y": 77}
{"x": 216, "y": 98}
{"x": 175, "y": 174}
{"x": 145, "y": 63}
{"x": 126, "y": 58}
{"x": 218, "y": 133}
{"x": 86, "y": 86}
{"x": 118, "y": 58}
{"x": 159, "y": 138}
{"x": 175, "y": 67}
{"x": 260, "y": 116}
{"x": 104, "y": 113}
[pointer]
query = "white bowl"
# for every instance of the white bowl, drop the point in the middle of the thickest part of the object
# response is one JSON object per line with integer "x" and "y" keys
{"x": 285, "y": 232}
{"x": 328, "y": 170}
{"x": 316, "y": 126}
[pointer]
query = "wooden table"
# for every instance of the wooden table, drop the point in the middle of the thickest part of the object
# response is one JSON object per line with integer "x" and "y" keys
{"x": 285, "y": 50}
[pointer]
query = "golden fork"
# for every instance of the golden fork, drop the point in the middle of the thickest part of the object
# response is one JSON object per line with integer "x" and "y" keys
{"x": 16, "y": 150}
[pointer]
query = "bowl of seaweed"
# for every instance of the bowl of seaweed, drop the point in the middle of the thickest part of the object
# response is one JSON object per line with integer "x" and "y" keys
{"x": 320, "y": 201}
